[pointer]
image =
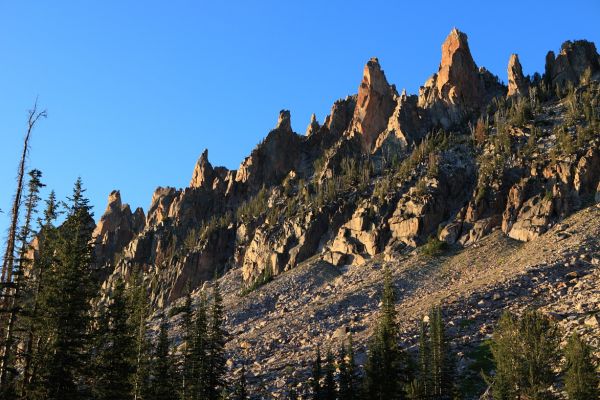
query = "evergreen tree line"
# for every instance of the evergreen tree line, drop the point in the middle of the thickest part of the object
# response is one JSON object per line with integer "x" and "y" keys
{"x": 525, "y": 353}
{"x": 61, "y": 341}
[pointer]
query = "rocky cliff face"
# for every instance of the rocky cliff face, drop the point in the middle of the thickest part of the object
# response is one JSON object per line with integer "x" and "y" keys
{"x": 384, "y": 174}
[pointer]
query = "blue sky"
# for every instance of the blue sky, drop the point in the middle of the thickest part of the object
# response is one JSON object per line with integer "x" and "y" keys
{"x": 136, "y": 90}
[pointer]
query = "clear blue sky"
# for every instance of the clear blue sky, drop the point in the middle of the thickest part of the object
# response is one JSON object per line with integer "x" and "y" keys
{"x": 135, "y": 90}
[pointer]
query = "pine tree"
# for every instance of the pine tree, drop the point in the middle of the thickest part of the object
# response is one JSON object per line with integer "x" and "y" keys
{"x": 348, "y": 380}
{"x": 114, "y": 363}
{"x": 137, "y": 303}
{"x": 386, "y": 370}
{"x": 199, "y": 352}
{"x": 162, "y": 384}
{"x": 188, "y": 335}
{"x": 317, "y": 374}
{"x": 441, "y": 361}
{"x": 216, "y": 354}
{"x": 66, "y": 303}
{"x": 329, "y": 389}
{"x": 34, "y": 325}
{"x": 581, "y": 378}
{"x": 525, "y": 352}
{"x": 15, "y": 302}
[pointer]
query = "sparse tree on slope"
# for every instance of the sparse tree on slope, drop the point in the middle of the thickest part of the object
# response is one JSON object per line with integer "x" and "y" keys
{"x": 581, "y": 378}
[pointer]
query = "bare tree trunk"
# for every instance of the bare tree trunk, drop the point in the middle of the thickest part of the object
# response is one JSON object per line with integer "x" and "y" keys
{"x": 8, "y": 348}
{"x": 9, "y": 255}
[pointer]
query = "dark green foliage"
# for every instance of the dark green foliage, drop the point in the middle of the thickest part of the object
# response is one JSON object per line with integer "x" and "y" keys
{"x": 581, "y": 378}
{"x": 266, "y": 276}
{"x": 436, "y": 370}
{"x": 215, "y": 372}
{"x": 137, "y": 303}
{"x": 12, "y": 298}
{"x": 434, "y": 247}
{"x": 162, "y": 383}
{"x": 115, "y": 352}
{"x": 317, "y": 374}
{"x": 66, "y": 304}
{"x": 329, "y": 388}
{"x": 348, "y": 378}
{"x": 525, "y": 352}
{"x": 386, "y": 370}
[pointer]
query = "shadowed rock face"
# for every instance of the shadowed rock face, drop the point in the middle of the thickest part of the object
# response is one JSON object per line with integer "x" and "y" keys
{"x": 116, "y": 228}
{"x": 374, "y": 105}
{"x": 518, "y": 85}
{"x": 574, "y": 59}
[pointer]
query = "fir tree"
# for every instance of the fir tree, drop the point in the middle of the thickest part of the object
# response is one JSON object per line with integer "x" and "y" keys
{"x": 581, "y": 378}
{"x": 441, "y": 361}
{"x": 215, "y": 373}
{"x": 525, "y": 352}
{"x": 385, "y": 371}
{"x": 348, "y": 380}
{"x": 188, "y": 337}
{"x": 14, "y": 303}
{"x": 317, "y": 374}
{"x": 66, "y": 303}
{"x": 329, "y": 389}
{"x": 199, "y": 352}
{"x": 137, "y": 301}
{"x": 34, "y": 326}
{"x": 162, "y": 385}
{"x": 114, "y": 364}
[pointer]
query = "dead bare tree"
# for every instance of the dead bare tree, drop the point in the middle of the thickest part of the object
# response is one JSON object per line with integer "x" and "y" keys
{"x": 9, "y": 256}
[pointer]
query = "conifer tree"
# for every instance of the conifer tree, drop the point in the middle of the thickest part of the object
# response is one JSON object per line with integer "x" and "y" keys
{"x": 14, "y": 301}
{"x": 66, "y": 303}
{"x": 188, "y": 337}
{"x": 329, "y": 389}
{"x": 525, "y": 352}
{"x": 581, "y": 378}
{"x": 162, "y": 384}
{"x": 215, "y": 373}
{"x": 348, "y": 380}
{"x": 34, "y": 326}
{"x": 441, "y": 361}
{"x": 317, "y": 374}
{"x": 137, "y": 301}
{"x": 386, "y": 368}
{"x": 199, "y": 352}
{"x": 114, "y": 363}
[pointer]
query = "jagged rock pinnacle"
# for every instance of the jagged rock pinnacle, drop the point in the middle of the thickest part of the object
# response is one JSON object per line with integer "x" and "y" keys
{"x": 374, "y": 105}
{"x": 517, "y": 84}
{"x": 203, "y": 172}
{"x": 284, "y": 121}
{"x": 313, "y": 126}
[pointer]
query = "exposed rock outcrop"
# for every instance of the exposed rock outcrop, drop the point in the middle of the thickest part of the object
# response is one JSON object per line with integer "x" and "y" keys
{"x": 203, "y": 172}
{"x": 456, "y": 88}
{"x": 574, "y": 59}
{"x": 518, "y": 85}
{"x": 313, "y": 126}
{"x": 374, "y": 105}
{"x": 115, "y": 229}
